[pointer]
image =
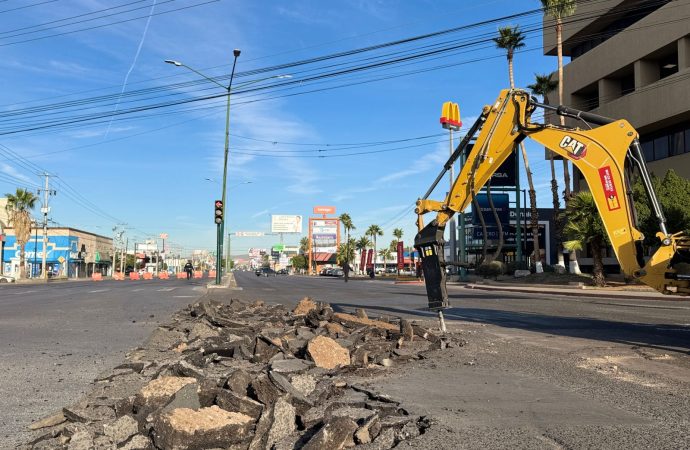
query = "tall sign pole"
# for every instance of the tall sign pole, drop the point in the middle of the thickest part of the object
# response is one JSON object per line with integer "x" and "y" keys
{"x": 45, "y": 210}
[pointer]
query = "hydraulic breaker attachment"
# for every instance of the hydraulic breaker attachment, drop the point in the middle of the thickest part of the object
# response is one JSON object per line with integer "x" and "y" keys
{"x": 429, "y": 243}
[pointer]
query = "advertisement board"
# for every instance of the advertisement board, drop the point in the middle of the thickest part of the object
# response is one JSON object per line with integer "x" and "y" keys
{"x": 324, "y": 235}
{"x": 256, "y": 252}
{"x": 505, "y": 175}
{"x": 401, "y": 255}
{"x": 324, "y": 209}
{"x": 501, "y": 204}
{"x": 281, "y": 223}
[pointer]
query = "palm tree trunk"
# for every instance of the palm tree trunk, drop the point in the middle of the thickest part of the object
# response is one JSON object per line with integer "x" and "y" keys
{"x": 534, "y": 222}
{"x": 22, "y": 261}
{"x": 598, "y": 264}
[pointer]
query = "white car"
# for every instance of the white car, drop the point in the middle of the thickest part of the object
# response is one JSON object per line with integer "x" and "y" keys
{"x": 6, "y": 279}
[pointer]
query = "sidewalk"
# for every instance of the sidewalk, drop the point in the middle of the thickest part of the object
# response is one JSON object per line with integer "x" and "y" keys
{"x": 631, "y": 292}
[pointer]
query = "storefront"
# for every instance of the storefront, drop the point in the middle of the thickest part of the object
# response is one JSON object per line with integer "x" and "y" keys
{"x": 69, "y": 253}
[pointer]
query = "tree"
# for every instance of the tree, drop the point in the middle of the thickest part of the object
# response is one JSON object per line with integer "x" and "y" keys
{"x": 304, "y": 245}
{"x": 300, "y": 262}
{"x": 18, "y": 210}
{"x": 511, "y": 39}
{"x": 558, "y": 9}
{"x": 543, "y": 84}
{"x": 398, "y": 234}
{"x": 374, "y": 231}
{"x": 584, "y": 228}
{"x": 386, "y": 254}
{"x": 673, "y": 193}
{"x": 361, "y": 245}
{"x": 347, "y": 224}
{"x": 346, "y": 252}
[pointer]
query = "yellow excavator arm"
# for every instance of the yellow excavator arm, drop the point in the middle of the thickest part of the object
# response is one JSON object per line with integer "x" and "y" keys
{"x": 603, "y": 155}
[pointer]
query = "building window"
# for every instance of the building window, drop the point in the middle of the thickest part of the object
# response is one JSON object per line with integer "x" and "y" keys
{"x": 687, "y": 140}
{"x": 661, "y": 147}
{"x": 628, "y": 84}
{"x": 648, "y": 150}
{"x": 677, "y": 143}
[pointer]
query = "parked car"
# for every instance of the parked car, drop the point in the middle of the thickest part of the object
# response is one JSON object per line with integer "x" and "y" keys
{"x": 6, "y": 279}
{"x": 282, "y": 272}
{"x": 265, "y": 271}
{"x": 325, "y": 272}
{"x": 337, "y": 272}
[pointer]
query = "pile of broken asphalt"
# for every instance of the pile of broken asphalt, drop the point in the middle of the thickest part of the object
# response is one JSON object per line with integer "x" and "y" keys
{"x": 250, "y": 376}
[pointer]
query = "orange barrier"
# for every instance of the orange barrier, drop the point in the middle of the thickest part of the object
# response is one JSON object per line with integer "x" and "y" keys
{"x": 198, "y": 274}
{"x": 211, "y": 273}
{"x": 148, "y": 276}
{"x": 163, "y": 275}
{"x": 181, "y": 275}
{"x": 97, "y": 276}
{"x": 134, "y": 275}
{"x": 118, "y": 276}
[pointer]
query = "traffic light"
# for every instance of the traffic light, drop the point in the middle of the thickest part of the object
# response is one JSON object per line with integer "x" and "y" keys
{"x": 219, "y": 212}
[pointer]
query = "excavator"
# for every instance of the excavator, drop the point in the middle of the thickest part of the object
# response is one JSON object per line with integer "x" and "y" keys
{"x": 606, "y": 151}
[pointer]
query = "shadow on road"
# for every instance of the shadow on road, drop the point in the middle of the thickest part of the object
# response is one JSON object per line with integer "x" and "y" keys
{"x": 670, "y": 338}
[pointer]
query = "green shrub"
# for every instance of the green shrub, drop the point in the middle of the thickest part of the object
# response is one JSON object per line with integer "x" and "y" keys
{"x": 490, "y": 270}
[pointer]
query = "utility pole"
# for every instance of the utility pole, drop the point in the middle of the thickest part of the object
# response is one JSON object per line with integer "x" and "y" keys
{"x": 45, "y": 210}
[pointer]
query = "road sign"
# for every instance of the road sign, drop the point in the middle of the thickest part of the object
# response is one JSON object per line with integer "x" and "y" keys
{"x": 249, "y": 233}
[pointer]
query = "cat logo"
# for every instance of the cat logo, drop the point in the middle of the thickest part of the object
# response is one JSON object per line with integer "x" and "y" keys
{"x": 576, "y": 148}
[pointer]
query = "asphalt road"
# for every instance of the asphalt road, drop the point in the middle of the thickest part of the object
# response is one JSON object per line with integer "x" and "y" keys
{"x": 538, "y": 371}
{"x": 56, "y": 338}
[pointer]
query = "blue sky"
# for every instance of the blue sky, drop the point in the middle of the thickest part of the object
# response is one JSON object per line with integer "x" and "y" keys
{"x": 159, "y": 170}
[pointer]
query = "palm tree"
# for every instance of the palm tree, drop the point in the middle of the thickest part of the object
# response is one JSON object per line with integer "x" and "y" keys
{"x": 346, "y": 220}
{"x": 543, "y": 84}
{"x": 398, "y": 234}
{"x": 374, "y": 231}
{"x": 385, "y": 253}
{"x": 510, "y": 39}
{"x": 346, "y": 252}
{"x": 584, "y": 228}
{"x": 558, "y": 9}
{"x": 18, "y": 211}
{"x": 361, "y": 245}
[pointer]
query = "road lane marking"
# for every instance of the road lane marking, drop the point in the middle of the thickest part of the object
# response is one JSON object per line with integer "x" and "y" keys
{"x": 184, "y": 296}
{"x": 24, "y": 292}
{"x": 168, "y": 289}
{"x": 99, "y": 290}
{"x": 137, "y": 290}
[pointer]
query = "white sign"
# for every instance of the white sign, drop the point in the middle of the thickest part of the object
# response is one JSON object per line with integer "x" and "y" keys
{"x": 286, "y": 224}
{"x": 256, "y": 252}
{"x": 249, "y": 233}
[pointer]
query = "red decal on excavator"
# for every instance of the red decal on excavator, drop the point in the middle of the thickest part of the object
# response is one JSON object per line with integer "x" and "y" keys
{"x": 609, "y": 186}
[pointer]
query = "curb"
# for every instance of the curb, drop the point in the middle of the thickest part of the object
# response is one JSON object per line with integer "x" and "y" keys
{"x": 577, "y": 291}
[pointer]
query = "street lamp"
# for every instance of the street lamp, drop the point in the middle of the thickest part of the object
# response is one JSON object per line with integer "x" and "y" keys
{"x": 221, "y": 226}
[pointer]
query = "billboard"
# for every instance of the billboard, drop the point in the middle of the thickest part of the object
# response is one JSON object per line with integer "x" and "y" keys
{"x": 281, "y": 223}
{"x": 324, "y": 235}
{"x": 501, "y": 204}
{"x": 256, "y": 252}
{"x": 505, "y": 174}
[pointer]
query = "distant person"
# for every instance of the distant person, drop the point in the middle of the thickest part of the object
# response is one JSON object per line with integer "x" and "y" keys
{"x": 189, "y": 268}
{"x": 346, "y": 271}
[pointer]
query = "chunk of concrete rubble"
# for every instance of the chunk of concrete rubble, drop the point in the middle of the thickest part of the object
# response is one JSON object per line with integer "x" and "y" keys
{"x": 406, "y": 330}
{"x": 200, "y": 330}
{"x": 264, "y": 390}
{"x": 360, "y": 313}
{"x": 186, "y": 429}
{"x": 336, "y": 434}
{"x": 283, "y": 421}
{"x": 85, "y": 413}
{"x": 233, "y": 402}
{"x": 158, "y": 392}
{"x": 327, "y": 353}
{"x": 335, "y": 329}
{"x": 186, "y": 397}
{"x": 369, "y": 430}
{"x": 353, "y": 321}
{"x": 238, "y": 381}
{"x": 289, "y": 366}
{"x": 284, "y": 384}
{"x": 50, "y": 421}
{"x": 81, "y": 440}
{"x": 121, "y": 430}
{"x": 304, "y": 383}
{"x": 138, "y": 442}
{"x": 304, "y": 306}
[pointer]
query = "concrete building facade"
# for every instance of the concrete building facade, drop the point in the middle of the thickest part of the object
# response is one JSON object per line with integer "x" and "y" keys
{"x": 630, "y": 59}
{"x": 70, "y": 253}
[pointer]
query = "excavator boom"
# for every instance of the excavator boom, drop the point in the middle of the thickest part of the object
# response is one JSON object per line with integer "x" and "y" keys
{"x": 604, "y": 155}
